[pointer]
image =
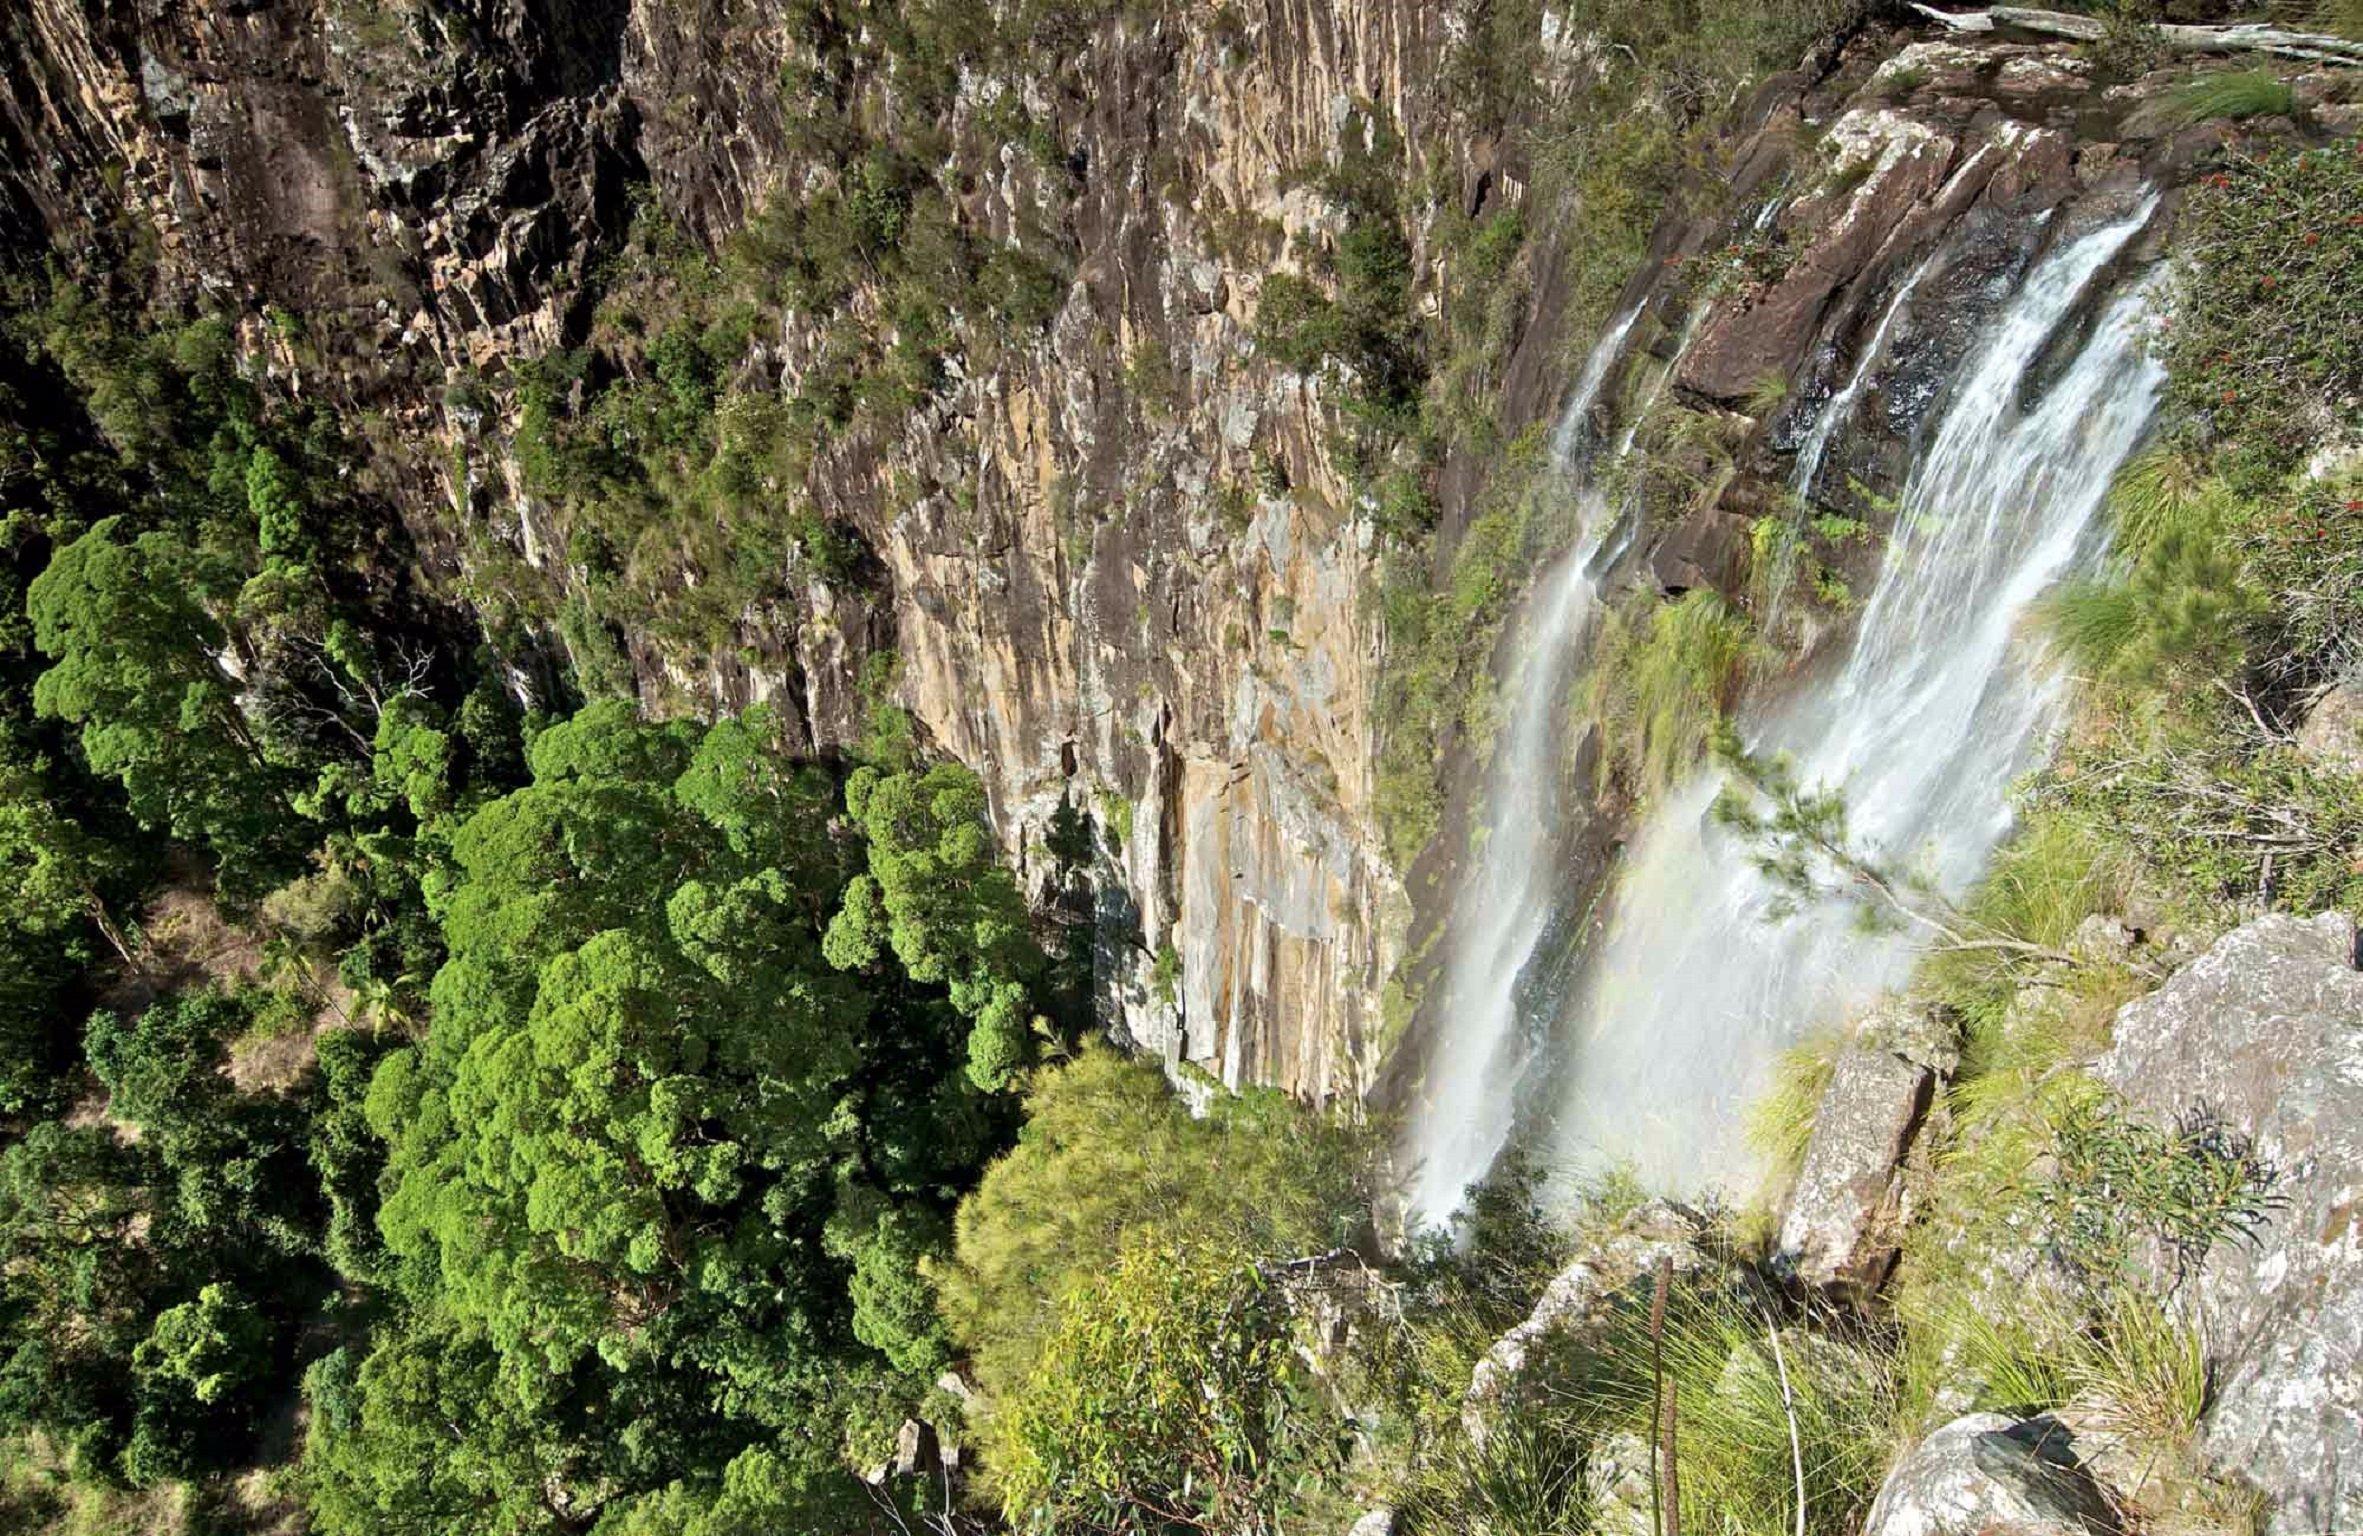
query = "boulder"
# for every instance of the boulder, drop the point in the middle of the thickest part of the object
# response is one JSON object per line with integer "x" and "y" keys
{"x": 1618, "y": 1483}
{"x": 2265, "y": 1032}
{"x": 915, "y": 1449}
{"x": 1377, "y": 1522}
{"x": 2332, "y": 736}
{"x": 1578, "y": 1299}
{"x": 1709, "y": 548}
{"x": 1845, "y": 1217}
{"x": 1990, "y": 1475}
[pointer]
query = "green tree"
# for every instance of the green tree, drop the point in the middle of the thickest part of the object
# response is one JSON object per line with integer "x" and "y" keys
{"x": 1108, "y": 1152}
{"x": 937, "y": 896}
{"x": 210, "y": 1348}
{"x": 660, "y": 1177}
{"x": 50, "y": 869}
{"x": 134, "y": 669}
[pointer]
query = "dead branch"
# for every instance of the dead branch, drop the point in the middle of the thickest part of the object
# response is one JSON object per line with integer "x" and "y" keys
{"x": 2244, "y": 37}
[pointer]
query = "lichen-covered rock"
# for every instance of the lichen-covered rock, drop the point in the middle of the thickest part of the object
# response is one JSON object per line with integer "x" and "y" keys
{"x": 2265, "y": 1031}
{"x": 1618, "y": 1484}
{"x": 1845, "y": 1216}
{"x": 1579, "y": 1299}
{"x": 2332, "y": 735}
{"x": 1376, "y": 1522}
{"x": 1989, "y": 1475}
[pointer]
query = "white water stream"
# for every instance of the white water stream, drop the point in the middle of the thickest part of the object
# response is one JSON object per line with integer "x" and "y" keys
{"x": 1939, "y": 704}
{"x": 1499, "y": 916}
{"x": 1943, "y": 701}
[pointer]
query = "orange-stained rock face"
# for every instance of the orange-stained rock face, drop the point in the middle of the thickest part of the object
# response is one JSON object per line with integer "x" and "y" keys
{"x": 1121, "y": 563}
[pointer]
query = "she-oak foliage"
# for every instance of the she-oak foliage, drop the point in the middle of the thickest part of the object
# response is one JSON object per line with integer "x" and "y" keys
{"x": 652, "y": 1128}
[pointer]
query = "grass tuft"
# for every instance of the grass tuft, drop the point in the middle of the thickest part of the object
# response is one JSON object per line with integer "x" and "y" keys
{"x": 2228, "y": 97}
{"x": 1780, "y": 1123}
{"x": 1660, "y": 683}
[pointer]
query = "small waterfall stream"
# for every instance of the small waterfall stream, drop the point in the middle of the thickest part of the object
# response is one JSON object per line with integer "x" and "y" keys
{"x": 1941, "y": 703}
{"x": 1503, "y": 910}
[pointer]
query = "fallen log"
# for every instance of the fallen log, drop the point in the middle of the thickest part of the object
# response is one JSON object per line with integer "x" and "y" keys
{"x": 2241, "y": 37}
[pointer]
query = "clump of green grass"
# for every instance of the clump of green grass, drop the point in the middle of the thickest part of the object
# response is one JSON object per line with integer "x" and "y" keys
{"x": 1780, "y": 1123}
{"x": 2228, "y": 97}
{"x": 1759, "y": 1396}
{"x": 1755, "y": 1396}
{"x": 1525, "y": 1479}
{"x": 2158, "y": 493}
{"x": 1659, "y": 684}
{"x": 2126, "y": 1359}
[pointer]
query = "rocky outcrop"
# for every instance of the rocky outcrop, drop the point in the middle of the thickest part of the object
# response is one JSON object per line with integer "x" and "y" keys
{"x": 1846, "y": 1216}
{"x": 2332, "y": 736}
{"x": 1579, "y": 1300}
{"x": 1989, "y": 1475}
{"x": 2264, "y": 1033}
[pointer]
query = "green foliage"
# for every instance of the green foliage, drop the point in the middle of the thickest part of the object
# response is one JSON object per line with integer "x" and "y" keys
{"x": 2236, "y": 597}
{"x": 209, "y": 1348}
{"x": 152, "y": 1286}
{"x": 1167, "y": 1392}
{"x": 1756, "y": 1393}
{"x": 2262, "y": 356}
{"x": 936, "y": 895}
{"x": 2134, "y": 1371}
{"x": 1108, "y": 1153}
{"x": 658, "y": 1156}
{"x": 1165, "y": 975}
{"x": 2226, "y": 96}
{"x": 1659, "y": 685}
{"x": 1780, "y": 1122}
{"x": 134, "y": 671}
{"x": 2179, "y": 603}
{"x": 670, "y": 448}
{"x": 2125, "y": 1192}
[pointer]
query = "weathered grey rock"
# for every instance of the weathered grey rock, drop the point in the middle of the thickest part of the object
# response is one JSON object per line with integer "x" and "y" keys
{"x": 1990, "y": 1475}
{"x": 1378, "y": 1522}
{"x": 1578, "y": 1299}
{"x": 1617, "y": 1482}
{"x": 2266, "y": 1031}
{"x": 1845, "y": 1217}
{"x": 914, "y": 1448}
{"x": 2332, "y": 736}
{"x": 1916, "y": 1030}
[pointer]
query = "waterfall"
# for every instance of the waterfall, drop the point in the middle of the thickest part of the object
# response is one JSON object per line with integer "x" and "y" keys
{"x": 1939, "y": 705}
{"x": 1840, "y": 409}
{"x": 1502, "y": 911}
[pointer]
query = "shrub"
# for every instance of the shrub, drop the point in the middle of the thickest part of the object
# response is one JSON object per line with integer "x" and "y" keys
{"x": 1108, "y": 1152}
{"x": 1167, "y": 1394}
{"x": 2262, "y": 352}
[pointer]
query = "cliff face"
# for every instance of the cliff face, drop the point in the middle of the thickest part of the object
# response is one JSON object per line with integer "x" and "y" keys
{"x": 1087, "y": 601}
{"x": 1123, "y": 564}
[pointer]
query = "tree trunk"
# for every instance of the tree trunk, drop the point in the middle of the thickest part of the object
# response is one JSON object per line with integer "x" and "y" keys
{"x": 2246, "y": 37}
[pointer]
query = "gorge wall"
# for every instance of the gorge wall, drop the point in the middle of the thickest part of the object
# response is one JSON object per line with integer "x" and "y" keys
{"x": 1133, "y": 561}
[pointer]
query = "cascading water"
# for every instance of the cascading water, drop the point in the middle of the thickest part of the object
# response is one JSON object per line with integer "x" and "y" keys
{"x": 1502, "y": 912}
{"x": 1840, "y": 410}
{"x": 1939, "y": 706}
